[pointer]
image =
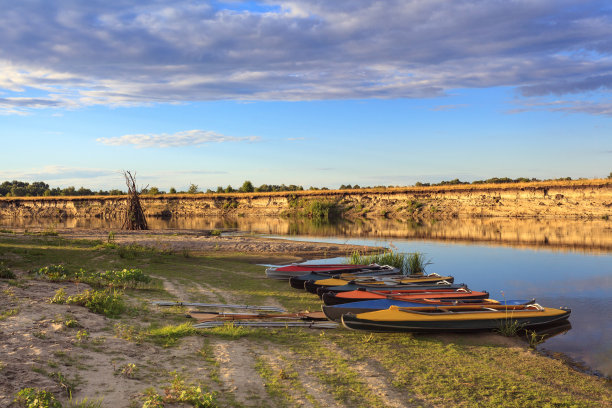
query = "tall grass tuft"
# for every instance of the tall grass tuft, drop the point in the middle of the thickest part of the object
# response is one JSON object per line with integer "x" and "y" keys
{"x": 409, "y": 263}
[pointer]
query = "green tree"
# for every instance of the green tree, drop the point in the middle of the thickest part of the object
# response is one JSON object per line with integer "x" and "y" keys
{"x": 247, "y": 187}
{"x": 172, "y": 190}
{"x": 193, "y": 189}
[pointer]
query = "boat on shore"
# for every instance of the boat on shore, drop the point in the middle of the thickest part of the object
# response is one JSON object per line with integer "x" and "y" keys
{"x": 349, "y": 287}
{"x": 298, "y": 282}
{"x": 378, "y": 281}
{"x": 454, "y": 318}
{"x": 335, "y": 312}
{"x": 407, "y": 295}
{"x": 288, "y": 271}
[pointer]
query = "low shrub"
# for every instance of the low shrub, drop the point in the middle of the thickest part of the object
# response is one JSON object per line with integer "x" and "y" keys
{"x": 180, "y": 392}
{"x": 321, "y": 210}
{"x": 106, "y": 302}
{"x": 5, "y": 272}
{"x": 126, "y": 278}
{"x": 36, "y": 398}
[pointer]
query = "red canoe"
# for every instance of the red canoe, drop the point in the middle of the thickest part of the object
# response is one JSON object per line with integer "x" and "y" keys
{"x": 405, "y": 295}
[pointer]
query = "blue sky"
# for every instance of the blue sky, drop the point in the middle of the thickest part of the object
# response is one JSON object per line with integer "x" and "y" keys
{"x": 316, "y": 93}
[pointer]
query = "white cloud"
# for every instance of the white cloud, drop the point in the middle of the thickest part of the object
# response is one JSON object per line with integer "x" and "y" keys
{"x": 75, "y": 54}
{"x": 55, "y": 172}
{"x": 185, "y": 138}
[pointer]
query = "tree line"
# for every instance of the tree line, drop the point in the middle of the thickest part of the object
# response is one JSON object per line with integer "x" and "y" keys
{"x": 41, "y": 189}
{"x": 17, "y": 188}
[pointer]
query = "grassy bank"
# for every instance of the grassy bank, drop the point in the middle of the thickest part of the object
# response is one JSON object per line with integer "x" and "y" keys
{"x": 148, "y": 356}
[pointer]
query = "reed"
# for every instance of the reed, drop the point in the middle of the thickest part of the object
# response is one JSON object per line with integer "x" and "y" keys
{"x": 413, "y": 263}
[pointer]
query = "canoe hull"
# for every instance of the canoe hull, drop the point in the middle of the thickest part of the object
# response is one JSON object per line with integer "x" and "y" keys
{"x": 356, "y": 286}
{"x": 286, "y": 272}
{"x": 337, "y": 299}
{"x": 449, "y": 324}
{"x": 313, "y": 285}
{"x": 335, "y": 312}
{"x": 298, "y": 282}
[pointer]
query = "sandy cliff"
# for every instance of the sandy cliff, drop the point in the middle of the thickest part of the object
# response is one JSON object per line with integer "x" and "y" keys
{"x": 569, "y": 199}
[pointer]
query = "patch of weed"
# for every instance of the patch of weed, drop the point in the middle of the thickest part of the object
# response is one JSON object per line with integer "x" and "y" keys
{"x": 5, "y": 272}
{"x": 108, "y": 302}
{"x": 179, "y": 391}
{"x": 8, "y": 313}
{"x": 36, "y": 398}
{"x": 168, "y": 335}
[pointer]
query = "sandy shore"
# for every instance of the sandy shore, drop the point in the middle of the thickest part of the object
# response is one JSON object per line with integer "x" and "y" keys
{"x": 202, "y": 241}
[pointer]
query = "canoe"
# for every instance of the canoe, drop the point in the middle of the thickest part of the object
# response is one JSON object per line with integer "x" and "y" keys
{"x": 320, "y": 290}
{"x": 286, "y": 272}
{"x": 335, "y": 312}
{"x": 312, "y": 285}
{"x": 453, "y": 318}
{"x": 297, "y": 282}
{"x": 406, "y": 295}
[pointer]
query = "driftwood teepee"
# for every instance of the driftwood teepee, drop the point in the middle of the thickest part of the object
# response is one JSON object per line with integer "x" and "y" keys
{"x": 134, "y": 215}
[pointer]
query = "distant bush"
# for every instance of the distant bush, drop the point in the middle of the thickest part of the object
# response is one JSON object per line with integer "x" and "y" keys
{"x": 193, "y": 189}
{"x": 321, "y": 210}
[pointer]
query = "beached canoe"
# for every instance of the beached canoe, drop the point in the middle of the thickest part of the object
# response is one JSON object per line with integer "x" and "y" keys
{"x": 320, "y": 290}
{"x": 335, "y": 312}
{"x": 286, "y": 272}
{"x": 379, "y": 281}
{"x": 297, "y": 282}
{"x": 407, "y": 295}
{"x": 453, "y": 318}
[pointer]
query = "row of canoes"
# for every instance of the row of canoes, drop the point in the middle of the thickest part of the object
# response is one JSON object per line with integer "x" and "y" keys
{"x": 379, "y": 298}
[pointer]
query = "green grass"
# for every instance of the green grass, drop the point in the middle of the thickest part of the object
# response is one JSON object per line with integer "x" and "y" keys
{"x": 167, "y": 336}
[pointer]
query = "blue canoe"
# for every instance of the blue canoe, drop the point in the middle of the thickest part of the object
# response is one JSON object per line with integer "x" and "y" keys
{"x": 335, "y": 312}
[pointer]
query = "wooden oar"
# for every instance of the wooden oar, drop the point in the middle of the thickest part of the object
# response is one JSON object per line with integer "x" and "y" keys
{"x": 280, "y": 324}
{"x": 219, "y": 306}
{"x": 211, "y": 316}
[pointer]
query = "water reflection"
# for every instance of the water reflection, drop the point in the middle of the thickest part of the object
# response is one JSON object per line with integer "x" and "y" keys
{"x": 575, "y": 235}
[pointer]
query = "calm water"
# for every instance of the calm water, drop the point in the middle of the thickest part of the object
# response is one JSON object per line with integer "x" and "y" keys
{"x": 571, "y": 267}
